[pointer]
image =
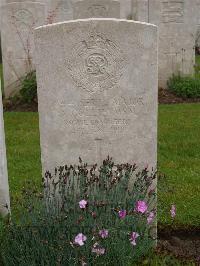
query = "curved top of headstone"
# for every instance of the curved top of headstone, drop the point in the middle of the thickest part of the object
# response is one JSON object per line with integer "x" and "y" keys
{"x": 96, "y": 9}
{"x": 93, "y": 20}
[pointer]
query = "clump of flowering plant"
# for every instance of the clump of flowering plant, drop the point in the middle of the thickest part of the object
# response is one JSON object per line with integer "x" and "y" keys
{"x": 89, "y": 216}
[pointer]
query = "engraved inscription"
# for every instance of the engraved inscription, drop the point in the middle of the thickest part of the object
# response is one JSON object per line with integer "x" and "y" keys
{"x": 103, "y": 116}
{"x": 97, "y": 11}
{"x": 96, "y": 63}
{"x": 24, "y": 17}
{"x": 173, "y": 11}
{"x": 122, "y": 105}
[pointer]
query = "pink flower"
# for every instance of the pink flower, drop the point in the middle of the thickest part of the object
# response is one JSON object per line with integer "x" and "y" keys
{"x": 122, "y": 214}
{"x": 80, "y": 239}
{"x": 103, "y": 233}
{"x": 141, "y": 206}
{"x": 98, "y": 250}
{"x": 133, "y": 238}
{"x": 150, "y": 217}
{"x": 83, "y": 204}
{"x": 173, "y": 211}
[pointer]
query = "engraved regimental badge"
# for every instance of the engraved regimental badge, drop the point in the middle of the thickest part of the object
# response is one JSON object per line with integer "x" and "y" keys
{"x": 96, "y": 63}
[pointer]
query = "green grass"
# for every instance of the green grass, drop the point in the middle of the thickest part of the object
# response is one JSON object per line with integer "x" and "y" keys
{"x": 179, "y": 159}
{"x": 23, "y": 152}
{"x": 197, "y": 66}
{"x": 178, "y": 156}
{"x": 197, "y": 60}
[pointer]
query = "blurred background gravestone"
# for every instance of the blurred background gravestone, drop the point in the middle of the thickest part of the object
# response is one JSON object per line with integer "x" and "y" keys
{"x": 198, "y": 24}
{"x": 58, "y": 10}
{"x": 177, "y": 22}
{"x": 18, "y": 22}
{"x": 126, "y": 9}
{"x": 96, "y": 9}
{"x": 140, "y": 10}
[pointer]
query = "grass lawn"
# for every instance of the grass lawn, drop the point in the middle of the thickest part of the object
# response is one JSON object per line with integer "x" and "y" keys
{"x": 23, "y": 152}
{"x": 178, "y": 156}
{"x": 179, "y": 159}
{"x": 197, "y": 60}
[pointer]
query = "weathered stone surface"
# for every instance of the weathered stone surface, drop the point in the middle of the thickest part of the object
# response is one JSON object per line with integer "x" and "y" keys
{"x": 198, "y": 23}
{"x": 177, "y": 22}
{"x": 126, "y": 9}
{"x": 140, "y": 10}
{"x": 13, "y": 1}
{"x": 2, "y": 2}
{"x": 18, "y": 22}
{"x": 96, "y": 9}
{"x": 4, "y": 187}
{"x": 59, "y": 10}
{"x": 97, "y": 91}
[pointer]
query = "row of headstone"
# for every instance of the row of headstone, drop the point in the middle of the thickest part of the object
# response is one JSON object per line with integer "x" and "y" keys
{"x": 177, "y": 22}
{"x": 18, "y": 20}
{"x": 93, "y": 98}
{"x": 97, "y": 78}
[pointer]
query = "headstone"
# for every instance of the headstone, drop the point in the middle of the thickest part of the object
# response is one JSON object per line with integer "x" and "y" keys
{"x": 96, "y": 9}
{"x": 97, "y": 91}
{"x": 18, "y": 22}
{"x": 59, "y": 10}
{"x": 177, "y": 22}
{"x": 4, "y": 187}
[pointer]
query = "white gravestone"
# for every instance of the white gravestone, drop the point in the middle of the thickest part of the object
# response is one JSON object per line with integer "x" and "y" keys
{"x": 18, "y": 22}
{"x": 97, "y": 91}
{"x": 96, "y": 9}
{"x": 4, "y": 187}
{"x": 177, "y": 22}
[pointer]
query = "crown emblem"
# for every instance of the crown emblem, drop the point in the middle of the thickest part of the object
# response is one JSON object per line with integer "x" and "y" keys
{"x": 95, "y": 41}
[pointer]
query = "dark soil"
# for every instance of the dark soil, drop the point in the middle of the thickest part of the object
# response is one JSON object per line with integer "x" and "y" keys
{"x": 167, "y": 97}
{"x": 181, "y": 243}
{"x": 16, "y": 106}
